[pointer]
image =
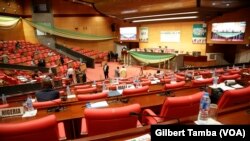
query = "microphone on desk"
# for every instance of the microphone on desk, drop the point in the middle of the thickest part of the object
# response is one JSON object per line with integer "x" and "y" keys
{"x": 148, "y": 115}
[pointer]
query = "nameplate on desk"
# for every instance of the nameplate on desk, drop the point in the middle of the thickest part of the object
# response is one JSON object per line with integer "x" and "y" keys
{"x": 14, "y": 111}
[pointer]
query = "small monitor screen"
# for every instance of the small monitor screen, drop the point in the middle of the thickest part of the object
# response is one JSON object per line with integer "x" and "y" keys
{"x": 228, "y": 31}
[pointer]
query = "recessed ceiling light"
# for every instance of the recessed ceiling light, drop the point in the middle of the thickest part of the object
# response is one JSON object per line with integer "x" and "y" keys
{"x": 227, "y": 4}
{"x": 129, "y": 11}
{"x": 213, "y": 3}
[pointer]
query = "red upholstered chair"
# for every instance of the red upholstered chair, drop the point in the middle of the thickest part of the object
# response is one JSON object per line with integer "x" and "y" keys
{"x": 202, "y": 82}
{"x": 175, "y": 108}
{"x": 165, "y": 80}
{"x": 180, "y": 78}
{"x": 234, "y": 72}
{"x": 43, "y": 129}
{"x": 205, "y": 74}
{"x": 233, "y": 97}
{"x": 143, "y": 89}
{"x": 104, "y": 120}
{"x": 46, "y": 104}
{"x": 82, "y": 86}
{"x": 145, "y": 83}
{"x": 85, "y": 91}
{"x": 4, "y": 106}
{"x": 174, "y": 85}
{"x": 87, "y": 97}
{"x": 222, "y": 78}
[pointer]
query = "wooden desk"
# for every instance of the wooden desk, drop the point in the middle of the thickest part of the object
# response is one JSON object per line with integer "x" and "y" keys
{"x": 73, "y": 112}
{"x": 233, "y": 115}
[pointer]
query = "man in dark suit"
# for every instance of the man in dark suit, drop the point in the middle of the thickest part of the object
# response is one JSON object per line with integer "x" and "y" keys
{"x": 106, "y": 70}
{"x": 47, "y": 93}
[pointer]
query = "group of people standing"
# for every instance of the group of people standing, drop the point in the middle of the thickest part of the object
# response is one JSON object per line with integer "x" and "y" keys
{"x": 118, "y": 72}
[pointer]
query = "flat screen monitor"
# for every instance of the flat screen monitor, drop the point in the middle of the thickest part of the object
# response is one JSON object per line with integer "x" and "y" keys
{"x": 228, "y": 31}
{"x": 128, "y": 33}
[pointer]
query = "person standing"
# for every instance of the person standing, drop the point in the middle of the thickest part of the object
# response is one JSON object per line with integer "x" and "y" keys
{"x": 71, "y": 74}
{"x": 117, "y": 72}
{"x": 84, "y": 77}
{"x": 123, "y": 72}
{"x": 62, "y": 60}
{"x": 106, "y": 71}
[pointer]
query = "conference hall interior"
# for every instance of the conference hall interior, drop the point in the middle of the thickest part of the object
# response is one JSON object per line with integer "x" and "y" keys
{"x": 110, "y": 69}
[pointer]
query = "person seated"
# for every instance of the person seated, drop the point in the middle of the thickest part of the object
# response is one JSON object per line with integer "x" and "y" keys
{"x": 35, "y": 74}
{"x": 47, "y": 93}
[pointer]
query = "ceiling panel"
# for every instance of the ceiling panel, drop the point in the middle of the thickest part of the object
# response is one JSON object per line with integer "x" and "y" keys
{"x": 127, "y": 9}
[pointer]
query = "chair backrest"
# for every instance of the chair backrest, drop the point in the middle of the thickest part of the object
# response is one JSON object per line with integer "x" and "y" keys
{"x": 82, "y": 87}
{"x": 4, "y": 106}
{"x": 86, "y": 97}
{"x": 174, "y": 85}
{"x": 143, "y": 89}
{"x": 106, "y": 120}
{"x": 85, "y": 91}
{"x": 145, "y": 83}
{"x": 233, "y": 97}
{"x": 222, "y": 78}
{"x": 46, "y": 104}
{"x": 179, "y": 77}
{"x": 43, "y": 129}
{"x": 202, "y": 82}
{"x": 183, "y": 106}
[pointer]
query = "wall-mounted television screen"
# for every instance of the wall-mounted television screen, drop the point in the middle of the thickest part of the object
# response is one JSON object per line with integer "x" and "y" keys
{"x": 228, "y": 31}
{"x": 128, "y": 33}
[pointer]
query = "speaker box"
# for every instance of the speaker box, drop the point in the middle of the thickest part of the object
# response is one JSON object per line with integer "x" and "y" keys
{"x": 113, "y": 27}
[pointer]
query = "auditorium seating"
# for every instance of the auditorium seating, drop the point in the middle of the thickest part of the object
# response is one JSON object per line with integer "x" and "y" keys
{"x": 43, "y": 129}
{"x": 143, "y": 89}
{"x": 179, "y": 78}
{"x": 87, "y": 97}
{"x": 202, "y": 82}
{"x": 105, "y": 120}
{"x": 85, "y": 91}
{"x": 165, "y": 80}
{"x": 46, "y": 104}
{"x": 174, "y": 85}
{"x": 234, "y": 97}
{"x": 81, "y": 87}
{"x": 222, "y": 78}
{"x": 145, "y": 83}
{"x": 174, "y": 108}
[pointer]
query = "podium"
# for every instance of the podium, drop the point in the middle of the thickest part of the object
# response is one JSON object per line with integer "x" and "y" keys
{"x": 125, "y": 57}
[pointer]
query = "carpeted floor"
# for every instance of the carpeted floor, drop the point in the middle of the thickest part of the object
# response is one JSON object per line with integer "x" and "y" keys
{"x": 97, "y": 72}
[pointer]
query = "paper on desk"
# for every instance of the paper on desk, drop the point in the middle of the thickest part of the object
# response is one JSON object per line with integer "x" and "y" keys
{"x": 30, "y": 113}
{"x": 99, "y": 104}
{"x": 237, "y": 86}
{"x": 210, "y": 121}
{"x": 222, "y": 86}
{"x": 145, "y": 137}
{"x": 153, "y": 82}
{"x": 71, "y": 96}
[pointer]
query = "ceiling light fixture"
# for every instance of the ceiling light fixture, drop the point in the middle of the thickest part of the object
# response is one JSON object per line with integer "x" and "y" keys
{"x": 129, "y": 11}
{"x": 160, "y": 15}
{"x": 165, "y": 19}
{"x": 82, "y": 2}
